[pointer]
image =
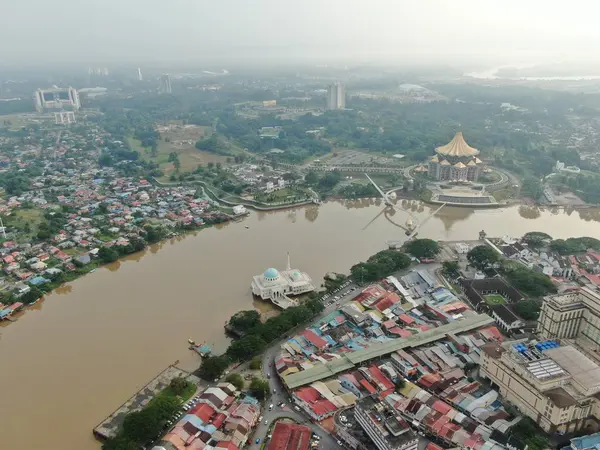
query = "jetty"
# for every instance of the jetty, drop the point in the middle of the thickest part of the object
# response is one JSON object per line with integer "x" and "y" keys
{"x": 111, "y": 425}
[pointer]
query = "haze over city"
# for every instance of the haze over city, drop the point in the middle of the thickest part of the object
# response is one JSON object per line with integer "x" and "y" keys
{"x": 394, "y": 32}
{"x": 299, "y": 224}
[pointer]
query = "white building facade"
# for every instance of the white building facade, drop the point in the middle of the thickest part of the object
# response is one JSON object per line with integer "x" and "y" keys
{"x": 336, "y": 96}
{"x": 276, "y": 286}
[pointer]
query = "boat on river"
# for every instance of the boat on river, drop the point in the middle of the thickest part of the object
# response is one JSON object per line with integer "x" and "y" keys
{"x": 204, "y": 350}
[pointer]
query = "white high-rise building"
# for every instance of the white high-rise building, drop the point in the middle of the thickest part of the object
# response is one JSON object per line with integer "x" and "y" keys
{"x": 336, "y": 97}
{"x": 165, "y": 84}
{"x": 139, "y": 75}
{"x": 64, "y": 117}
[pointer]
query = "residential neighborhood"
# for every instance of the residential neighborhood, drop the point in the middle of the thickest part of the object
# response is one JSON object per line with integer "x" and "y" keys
{"x": 67, "y": 214}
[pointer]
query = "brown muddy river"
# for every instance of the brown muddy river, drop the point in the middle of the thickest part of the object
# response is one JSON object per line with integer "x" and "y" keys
{"x": 69, "y": 361}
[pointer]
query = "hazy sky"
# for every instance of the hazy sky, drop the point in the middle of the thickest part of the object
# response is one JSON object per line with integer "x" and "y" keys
{"x": 191, "y": 31}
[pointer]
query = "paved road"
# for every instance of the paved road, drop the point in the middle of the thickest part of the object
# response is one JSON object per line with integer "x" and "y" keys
{"x": 328, "y": 442}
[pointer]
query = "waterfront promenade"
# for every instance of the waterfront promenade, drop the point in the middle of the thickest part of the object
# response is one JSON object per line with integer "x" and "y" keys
{"x": 110, "y": 426}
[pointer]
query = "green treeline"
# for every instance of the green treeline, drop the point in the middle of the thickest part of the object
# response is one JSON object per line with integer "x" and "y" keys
{"x": 257, "y": 336}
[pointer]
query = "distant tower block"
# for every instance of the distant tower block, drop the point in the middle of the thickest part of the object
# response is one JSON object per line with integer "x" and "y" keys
{"x": 139, "y": 75}
{"x": 336, "y": 97}
{"x": 165, "y": 84}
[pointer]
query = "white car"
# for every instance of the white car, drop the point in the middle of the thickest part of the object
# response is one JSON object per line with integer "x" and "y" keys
{"x": 270, "y": 406}
{"x": 266, "y": 422}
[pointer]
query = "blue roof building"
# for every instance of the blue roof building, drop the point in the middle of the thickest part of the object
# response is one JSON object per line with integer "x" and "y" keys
{"x": 36, "y": 281}
{"x": 591, "y": 442}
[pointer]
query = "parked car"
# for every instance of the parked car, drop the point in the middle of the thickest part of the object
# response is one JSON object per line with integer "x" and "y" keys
{"x": 258, "y": 440}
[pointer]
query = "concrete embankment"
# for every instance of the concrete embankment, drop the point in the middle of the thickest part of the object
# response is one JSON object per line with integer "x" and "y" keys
{"x": 247, "y": 203}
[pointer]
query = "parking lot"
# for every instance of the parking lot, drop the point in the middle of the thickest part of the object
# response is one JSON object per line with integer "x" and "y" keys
{"x": 338, "y": 295}
{"x": 356, "y": 158}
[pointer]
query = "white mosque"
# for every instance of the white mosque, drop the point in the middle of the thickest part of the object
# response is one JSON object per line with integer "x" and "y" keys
{"x": 276, "y": 286}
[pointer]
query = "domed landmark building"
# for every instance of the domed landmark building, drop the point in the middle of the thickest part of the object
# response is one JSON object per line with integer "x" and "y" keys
{"x": 276, "y": 286}
{"x": 455, "y": 161}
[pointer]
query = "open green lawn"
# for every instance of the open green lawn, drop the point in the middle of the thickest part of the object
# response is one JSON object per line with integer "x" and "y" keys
{"x": 19, "y": 218}
{"x": 185, "y": 396}
{"x": 280, "y": 195}
{"x": 494, "y": 299}
{"x": 189, "y": 156}
{"x": 13, "y": 121}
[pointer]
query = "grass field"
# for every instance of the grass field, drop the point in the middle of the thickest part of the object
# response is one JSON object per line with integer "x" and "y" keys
{"x": 13, "y": 121}
{"x": 189, "y": 156}
{"x": 20, "y": 217}
{"x": 494, "y": 299}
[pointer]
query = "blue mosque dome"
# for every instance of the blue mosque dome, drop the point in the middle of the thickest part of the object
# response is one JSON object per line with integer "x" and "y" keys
{"x": 271, "y": 274}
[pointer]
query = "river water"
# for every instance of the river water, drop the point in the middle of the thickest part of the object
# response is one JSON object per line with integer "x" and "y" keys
{"x": 70, "y": 360}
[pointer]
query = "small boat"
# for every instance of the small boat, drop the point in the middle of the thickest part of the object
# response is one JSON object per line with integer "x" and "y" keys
{"x": 92, "y": 271}
{"x": 191, "y": 342}
{"x": 246, "y": 227}
{"x": 203, "y": 350}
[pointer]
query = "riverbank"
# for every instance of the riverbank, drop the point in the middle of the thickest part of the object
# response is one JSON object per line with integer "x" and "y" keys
{"x": 35, "y": 293}
{"x": 100, "y": 338}
{"x": 246, "y": 203}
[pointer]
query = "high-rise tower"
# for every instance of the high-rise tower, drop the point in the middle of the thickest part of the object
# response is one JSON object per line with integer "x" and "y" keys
{"x": 165, "y": 84}
{"x": 336, "y": 97}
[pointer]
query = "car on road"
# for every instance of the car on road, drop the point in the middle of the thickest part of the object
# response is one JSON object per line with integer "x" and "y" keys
{"x": 282, "y": 405}
{"x": 274, "y": 391}
{"x": 268, "y": 376}
{"x": 260, "y": 418}
{"x": 296, "y": 407}
{"x": 266, "y": 421}
{"x": 258, "y": 440}
{"x": 271, "y": 407}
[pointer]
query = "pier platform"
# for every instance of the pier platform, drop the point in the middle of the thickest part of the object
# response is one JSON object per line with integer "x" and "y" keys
{"x": 110, "y": 426}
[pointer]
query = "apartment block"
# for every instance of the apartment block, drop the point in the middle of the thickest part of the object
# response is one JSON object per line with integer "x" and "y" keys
{"x": 553, "y": 382}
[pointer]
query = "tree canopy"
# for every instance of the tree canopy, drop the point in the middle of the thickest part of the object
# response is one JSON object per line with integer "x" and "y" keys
{"x": 451, "y": 269}
{"x": 259, "y": 388}
{"x": 213, "y": 366}
{"x": 179, "y": 385}
{"x": 141, "y": 427}
{"x": 574, "y": 245}
{"x": 108, "y": 254}
{"x": 536, "y": 239}
{"x": 243, "y": 321}
{"x": 258, "y": 337}
{"x": 379, "y": 265}
{"x": 528, "y": 281}
{"x": 422, "y": 248}
{"x": 235, "y": 379}
{"x": 527, "y": 309}
{"x": 482, "y": 257}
